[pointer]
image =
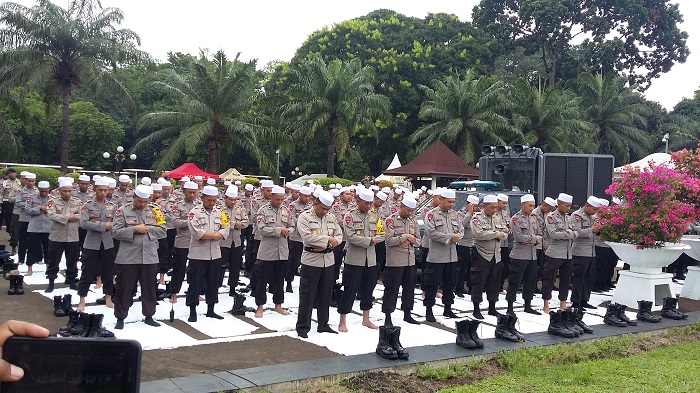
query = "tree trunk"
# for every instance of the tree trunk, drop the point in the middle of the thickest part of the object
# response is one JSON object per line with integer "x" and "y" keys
{"x": 330, "y": 155}
{"x": 213, "y": 159}
{"x": 65, "y": 123}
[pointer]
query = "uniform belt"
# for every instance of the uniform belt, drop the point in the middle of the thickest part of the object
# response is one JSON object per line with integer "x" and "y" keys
{"x": 313, "y": 250}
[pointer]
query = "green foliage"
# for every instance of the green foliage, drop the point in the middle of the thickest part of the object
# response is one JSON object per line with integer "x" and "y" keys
{"x": 49, "y": 174}
{"x": 89, "y": 124}
{"x": 73, "y": 175}
{"x": 325, "y": 182}
{"x": 442, "y": 373}
{"x": 355, "y": 167}
{"x": 250, "y": 180}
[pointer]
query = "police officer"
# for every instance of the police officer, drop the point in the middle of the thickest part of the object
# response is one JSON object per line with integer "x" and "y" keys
{"x": 274, "y": 225}
{"x": 181, "y": 211}
{"x": 320, "y": 233}
{"x": 10, "y": 189}
{"x": 137, "y": 226}
{"x": 247, "y": 232}
{"x": 23, "y": 197}
{"x": 64, "y": 212}
{"x": 402, "y": 236}
{"x": 124, "y": 193}
{"x": 523, "y": 266}
{"x": 339, "y": 210}
{"x": 168, "y": 200}
{"x": 561, "y": 233}
{"x": 296, "y": 245}
{"x": 465, "y": 246}
{"x": 39, "y": 226}
{"x": 257, "y": 201}
{"x": 98, "y": 248}
{"x": 547, "y": 206}
{"x": 602, "y": 254}
{"x": 505, "y": 251}
{"x": 583, "y": 253}
{"x": 425, "y": 240}
{"x": 380, "y": 248}
{"x": 231, "y": 247}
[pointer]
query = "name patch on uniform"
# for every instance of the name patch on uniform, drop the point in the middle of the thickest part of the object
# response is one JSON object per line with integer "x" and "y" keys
{"x": 430, "y": 216}
{"x": 515, "y": 220}
{"x": 550, "y": 219}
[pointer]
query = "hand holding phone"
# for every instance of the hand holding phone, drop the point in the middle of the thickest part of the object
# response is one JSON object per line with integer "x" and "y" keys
{"x": 10, "y": 372}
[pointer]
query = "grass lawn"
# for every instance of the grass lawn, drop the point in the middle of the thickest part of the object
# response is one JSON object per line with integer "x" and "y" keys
{"x": 672, "y": 369}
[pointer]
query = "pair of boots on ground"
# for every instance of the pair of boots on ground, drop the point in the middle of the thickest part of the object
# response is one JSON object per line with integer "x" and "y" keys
{"x": 389, "y": 346}
{"x": 81, "y": 324}
{"x": 505, "y": 328}
{"x": 16, "y": 285}
{"x": 567, "y": 323}
{"x": 467, "y": 337}
{"x": 9, "y": 268}
{"x": 238, "y": 307}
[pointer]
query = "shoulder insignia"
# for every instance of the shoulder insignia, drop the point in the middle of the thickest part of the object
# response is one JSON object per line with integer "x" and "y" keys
{"x": 550, "y": 220}
{"x": 191, "y": 216}
{"x": 430, "y": 216}
{"x": 83, "y": 209}
{"x": 50, "y": 204}
{"x": 475, "y": 221}
{"x": 335, "y": 208}
{"x": 577, "y": 217}
{"x": 389, "y": 222}
{"x": 515, "y": 220}
{"x": 348, "y": 219}
{"x": 118, "y": 212}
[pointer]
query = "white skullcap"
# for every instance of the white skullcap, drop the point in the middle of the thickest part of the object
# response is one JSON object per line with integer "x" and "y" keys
{"x": 366, "y": 195}
{"x": 185, "y": 179}
{"x": 143, "y": 191}
{"x": 317, "y": 186}
{"x": 305, "y": 190}
{"x": 345, "y": 189}
{"x": 527, "y": 198}
{"x": 398, "y": 191}
{"x": 473, "y": 199}
{"x": 617, "y": 201}
{"x": 424, "y": 188}
{"x": 232, "y": 192}
{"x": 190, "y": 185}
{"x": 550, "y": 201}
{"x": 95, "y": 177}
{"x": 210, "y": 190}
{"x": 164, "y": 182}
{"x": 565, "y": 198}
{"x": 237, "y": 182}
{"x": 419, "y": 191}
{"x": 310, "y": 181}
{"x": 160, "y": 180}
{"x": 374, "y": 187}
{"x": 157, "y": 187}
{"x": 381, "y": 195}
{"x": 409, "y": 202}
{"x": 446, "y": 193}
{"x": 199, "y": 177}
{"x": 60, "y": 179}
{"x": 124, "y": 179}
{"x": 70, "y": 180}
{"x": 593, "y": 201}
{"x": 294, "y": 187}
{"x": 490, "y": 199}
{"x": 277, "y": 190}
{"x": 31, "y": 175}
{"x": 102, "y": 182}
{"x": 44, "y": 184}
{"x": 386, "y": 190}
{"x": 112, "y": 183}
{"x": 249, "y": 187}
{"x": 326, "y": 198}
{"x": 64, "y": 183}
{"x": 266, "y": 184}
{"x": 396, "y": 185}
{"x": 146, "y": 181}
{"x": 604, "y": 202}
{"x": 227, "y": 182}
{"x": 211, "y": 181}
{"x": 23, "y": 173}
{"x": 429, "y": 192}
{"x": 502, "y": 197}
{"x": 316, "y": 191}
{"x": 334, "y": 191}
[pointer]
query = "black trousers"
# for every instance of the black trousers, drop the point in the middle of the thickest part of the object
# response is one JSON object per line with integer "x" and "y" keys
{"x": 72, "y": 251}
{"x": 163, "y": 255}
{"x": 14, "y": 233}
{"x": 127, "y": 277}
{"x": 583, "y": 279}
{"x": 171, "y": 246}
{"x": 91, "y": 259}
{"x": 179, "y": 269}
{"x": 231, "y": 256}
{"x": 270, "y": 272}
{"x": 552, "y": 266}
{"x": 38, "y": 248}
{"x": 465, "y": 257}
{"x": 433, "y": 275}
{"x": 505, "y": 260}
{"x": 23, "y": 241}
{"x": 423, "y": 262}
{"x": 611, "y": 265}
{"x": 295, "y": 250}
{"x": 522, "y": 271}
{"x": 204, "y": 271}
{"x": 254, "y": 257}
{"x": 486, "y": 276}
{"x": 81, "y": 236}
{"x": 315, "y": 286}
{"x": 247, "y": 242}
{"x": 380, "y": 254}
{"x": 356, "y": 279}
{"x": 540, "y": 264}
{"x": 602, "y": 255}
{"x": 338, "y": 254}
{"x": 403, "y": 276}
{"x": 7, "y": 208}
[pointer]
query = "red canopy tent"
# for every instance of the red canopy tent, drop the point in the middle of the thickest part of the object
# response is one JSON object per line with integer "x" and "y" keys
{"x": 190, "y": 170}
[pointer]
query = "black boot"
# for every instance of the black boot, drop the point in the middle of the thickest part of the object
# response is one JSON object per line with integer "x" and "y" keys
{"x": 502, "y": 332}
{"x": 58, "y": 307}
{"x": 568, "y": 319}
{"x": 578, "y": 316}
{"x": 429, "y": 317}
{"x": 193, "y": 314}
{"x": 556, "y": 327}
{"x": 49, "y": 289}
{"x": 394, "y": 333}
{"x": 621, "y": 314}
{"x": 407, "y": 317}
{"x": 464, "y": 340}
{"x": 473, "y": 326}
{"x": 95, "y": 326}
{"x": 492, "y": 309}
{"x": 289, "y": 287}
{"x": 644, "y": 312}
{"x": 13, "y": 286}
{"x": 72, "y": 320}
{"x": 336, "y": 294}
{"x": 611, "y": 317}
{"x": 120, "y": 324}
{"x": 151, "y": 322}
{"x": 238, "y": 307}
{"x": 512, "y": 320}
{"x": 19, "y": 285}
{"x": 384, "y": 348}
{"x": 387, "y": 319}
{"x": 670, "y": 310}
{"x": 66, "y": 303}
{"x": 528, "y": 308}
{"x": 477, "y": 311}
{"x": 510, "y": 309}
{"x": 448, "y": 312}
{"x": 211, "y": 313}
{"x": 82, "y": 326}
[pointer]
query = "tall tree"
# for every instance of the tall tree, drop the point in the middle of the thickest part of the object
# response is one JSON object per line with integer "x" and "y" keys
{"x": 218, "y": 100}
{"x": 336, "y": 99}
{"x": 55, "y": 50}
{"x": 465, "y": 112}
{"x": 639, "y": 38}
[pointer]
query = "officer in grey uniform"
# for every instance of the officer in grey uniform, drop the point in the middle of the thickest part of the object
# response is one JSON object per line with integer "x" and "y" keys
{"x": 124, "y": 193}
{"x": 602, "y": 254}
{"x": 39, "y": 226}
{"x": 583, "y": 253}
{"x": 320, "y": 233}
{"x": 402, "y": 236}
{"x": 84, "y": 194}
{"x": 65, "y": 213}
{"x": 540, "y": 212}
{"x": 274, "y": 225}
{"x": 425, "y": 240}
{"x": 231, "y": 247}
{"x": 339, "y": 209}
{"x": 523, "y": 264}
{"x": 10, "y": 189}
{"x": 98, "y": 248}
{"x": 465, "y": 246}
{"x": 296, "y": 245}
{"x": 505, "y": 251}
{"x": 380, "y": 248}
{"x": 256, "y": 202}
{"x": 561, "y": 234}
{"x": 137, "y": 226}
{"x": 25, "y": 193}
{"x": 247, "y": 232}
{"x": 180, "y": 213}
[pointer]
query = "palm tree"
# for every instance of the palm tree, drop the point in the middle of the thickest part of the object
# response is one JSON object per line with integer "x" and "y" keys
{"x": 56, "y": 50}
{"x": 617, "y": 116}
{"x": 464, "y": 112}
{"x": 337, "y": 99}
{"x": 550, "y": 118}
{"x": 218, "y": 99}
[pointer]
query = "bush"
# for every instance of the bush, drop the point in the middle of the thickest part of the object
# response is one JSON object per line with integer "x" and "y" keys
{"x": 49, "y": 174}
{"x": 250, "y": 180}
{"x": 325, "y": 182}
{"x": 74, "y": 175}
{"x": 385, "y": 183}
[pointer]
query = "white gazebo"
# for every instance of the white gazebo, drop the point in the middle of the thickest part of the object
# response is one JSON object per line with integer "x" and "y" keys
{"x": 656, "y": 158}
{"x": 395, "y": 163}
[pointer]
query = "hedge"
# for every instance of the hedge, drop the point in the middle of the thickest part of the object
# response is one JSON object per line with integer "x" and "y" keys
{"x": 250, "y": 180}
{"x": 385, "y": 183}
{"x": 325, "y": 182}
{"x": 49, "y": 174}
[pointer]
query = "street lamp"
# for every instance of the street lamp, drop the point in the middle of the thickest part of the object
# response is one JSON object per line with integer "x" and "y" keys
{"x": 119, "y": 158}
{"x": 665, "y": 139}
{"x": 278, "y": 161}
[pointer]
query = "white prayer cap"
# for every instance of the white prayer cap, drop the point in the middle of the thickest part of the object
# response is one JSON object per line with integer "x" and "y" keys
{"x": 593, "y": 201}
{"x": 146, "y": 181}
{"x": 190, "y": 185}
{"x": 398, "y": 191}
{"x": 318, "y": 186}
{"x": 381, "y": 195}
{"x": 338, "y": 185}
{"x": 617, "y": 201}
{"x": 490, "y": 199}
{"x": 160, "y": 180}
{"x": 44, "y": 184}
{"x": 60, "y": 179}
{"x": 447, "y": 193}
{"x": 266, "y": 184}
{"x": 294, "y": 187}
{"x": 374, "y": 187}
{"x": 424, "y": 188}
{"x": 326, "y": 198}
{"x": 386, "y": 190}
{"x": 473, "y": 199}
{"x": 64, "y": 183}
{"x": 185, "y": 179}
{"x": 210, "y": 190}
{"x": 31, "y": 175}
{"x": 95, "y": 177}
{"x": 23, "y": 173}
{"x": 199, "y": 177}
{"x": 143, "y": 191}
{"x": 604, "y": 202}
{"x": 237, "y": 182}
{"x": 227, "y": 182}
{"x": 345, "y": 189}
{"x": 396, "y": 185}
{"x": 310, "y": 181}
{"x": 124, "y": 179}
{"x": 112, "y": 183}
{"x": 232, "y": 192}
{"x": 278, "y": 190}
{"x": 527, "y": 198}
{"x": 502, "y": 197}
{"x": 334, "y": 191}
{"x": 315, "y": 192}
{"x": 366, "y": 195}
{"x": 305, "y": 190}
{"x": 211, "y": 181}
{"x": 164, "y": 183}
{"x": 157, "y": 187}
{"x": 70, "y": 180}
{"x": 409, "y": 202}
{"x": 102, "y": 182}
{"x": 419, "y": 191}
{"x": 249, "y": 187}
{"x": 565, "y": 198}
{"x": 430, "y": 192}
{"x": 550, "y": 201}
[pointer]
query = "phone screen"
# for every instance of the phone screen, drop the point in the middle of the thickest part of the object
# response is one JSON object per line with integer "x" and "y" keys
{"x": 74, "y": 365}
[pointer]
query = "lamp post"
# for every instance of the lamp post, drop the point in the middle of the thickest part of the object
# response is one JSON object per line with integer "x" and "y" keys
{"x": 119, "y": 158}
{"x": 278, "y": 161}
{"x": 665, "y": 139}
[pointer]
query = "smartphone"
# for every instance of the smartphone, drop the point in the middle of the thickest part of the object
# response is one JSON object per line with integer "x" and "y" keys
{"x": 68, "y": 364}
